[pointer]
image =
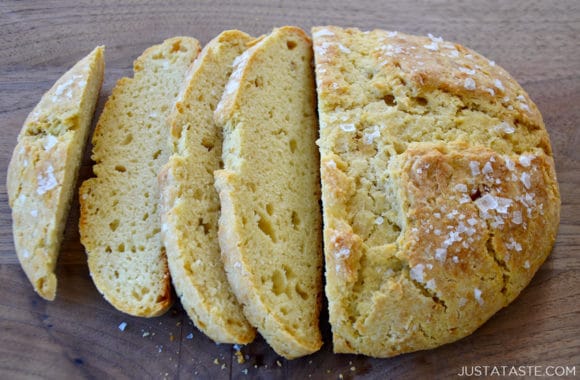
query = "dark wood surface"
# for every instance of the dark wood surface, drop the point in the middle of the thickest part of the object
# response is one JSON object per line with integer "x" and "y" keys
{"x": 77, "y": 336}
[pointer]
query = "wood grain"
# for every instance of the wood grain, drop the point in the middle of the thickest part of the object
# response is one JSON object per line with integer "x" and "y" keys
{"x": 77, "y": 335}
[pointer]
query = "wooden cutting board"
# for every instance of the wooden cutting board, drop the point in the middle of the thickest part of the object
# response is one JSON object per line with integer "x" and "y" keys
{"x": 78, "y": 335}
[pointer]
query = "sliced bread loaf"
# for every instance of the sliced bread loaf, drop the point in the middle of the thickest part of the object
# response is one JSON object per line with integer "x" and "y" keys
{"x": 44, "y": 168}
{"x": 269, "y": 228}
{"x": 439, "y": 192}
{"x": 189, "y": 202}
{"x": 119, "y": 222}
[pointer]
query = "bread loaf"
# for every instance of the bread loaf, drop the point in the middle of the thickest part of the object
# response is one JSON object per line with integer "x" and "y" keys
{"x": 439, "y": 193}
{"x": 269, "y": 228}
{"x": 44, "y": 168}
{"x": 119, "y": 222}
{"x": 189, "y": 202}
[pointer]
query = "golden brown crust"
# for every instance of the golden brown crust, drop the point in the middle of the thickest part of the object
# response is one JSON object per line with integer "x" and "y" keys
{"x": 44, "y": 168}
{"x": 439, "y": 190}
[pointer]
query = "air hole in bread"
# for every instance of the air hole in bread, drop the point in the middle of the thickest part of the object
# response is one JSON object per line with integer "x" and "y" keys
{"x": 145, "y": 216}
{"x": 288, "y": 271}
{"x": 421, "y": 101}
{"x": 116, "y": 274}
{"x": 295, "y": 220}
{"x": 108, "y": 249}
{"x": 121, "y": 247}
{"x": 278, "y": 282}
{"x": 291, "y": 44}
{"x": 258, "y": 82}
{"x": 292, "y": 145}
{"x": 156, "y": 154}
{"x": 270, "y": 209}
{"x": 207, "y": 143}
{"x": 390, "y": 100}
{"x": 205, "y": 226}
{"x": 127, "y": 140}
{"x": 266, "y": 227}
{"x": 303, "y": 294}
{"x": 114, "y": 225}
{"x": 120, "y": 168}
{"x": 284, "y": 310}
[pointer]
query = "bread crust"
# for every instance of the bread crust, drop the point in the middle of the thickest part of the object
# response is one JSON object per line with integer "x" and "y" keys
{"x": 438, "y": 185}
{"x": 44, "y": 168}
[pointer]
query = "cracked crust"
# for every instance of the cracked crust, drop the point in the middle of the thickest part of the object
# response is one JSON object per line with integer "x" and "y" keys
{"x": 44, "y": 168}
{"x": 439, "y": 190}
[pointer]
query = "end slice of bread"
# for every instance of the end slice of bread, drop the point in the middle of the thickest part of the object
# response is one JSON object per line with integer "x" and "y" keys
{"x": 190, "y": 204}
{"x": 44, "y": 168}
{"x": 269, "y": 228}
{"x": 119, "y": 224}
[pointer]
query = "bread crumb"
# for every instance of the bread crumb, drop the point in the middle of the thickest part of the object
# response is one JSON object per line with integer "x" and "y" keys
{"x": 239, "y": 357}
{"x": 278, "y": 363}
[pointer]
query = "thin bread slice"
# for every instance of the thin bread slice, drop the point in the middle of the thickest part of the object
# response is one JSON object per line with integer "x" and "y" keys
{"x": 269, "y": 228}
{"x": 439, "y": 192}
{"x": 44, "y": 168}
{"x": 119, "y": 221}
{"x": 189, "y": 202}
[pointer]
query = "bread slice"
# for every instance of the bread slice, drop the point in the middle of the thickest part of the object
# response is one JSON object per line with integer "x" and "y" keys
{"x": 119, "y": 222}
{"x": 44, "y": 168}
{"x": 269, "y": 228}
{"x": 190, "y": 204}
{"x": 439, "y": 193}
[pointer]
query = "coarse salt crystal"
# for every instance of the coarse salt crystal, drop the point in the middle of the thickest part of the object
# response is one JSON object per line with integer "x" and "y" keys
{"x": 477, "y": 294}
{"x": 527, "y": 264}
{"x": 348, "y": 127}
{"x": 524, "y": 106}
{"x": 455, "y": 259}
{"x": 392, "y": 34}
{"x": 487, "y": 169}
{"x": 469, "y": 84}
{"x": 430, "y": 284}
{"x": 492, "y": 63}
{"x": 454, "y": 53}
{"x": 525, "y": 160}
{"x": 47, "y": 182}
{"x": 122, "y": 326}
{"x": 25, "y": 253}
{"x": 343, "y": 48}
{"x": 49, "y": 142}
{"x": 497, "y": 83}
{"x": 416, "y": 272}
{"x": 474, "y": 166}
{"x": 467, "y": 71}
{"x": 517, "y": 217}
{"x": 504, "y": 128}
{"x": 322, "y": 33}
{"x": 521, "y": 98}
{"x": 525, "y": 178}
{"x": 342, "y": 253}
{"x": 461, "y": 188}
{"x": 34, "y": 213}
{"x": 379, "y": 220}
{"x": 472, "y": 221}
{"x": 368, "y": 138}
{"x": 441, "y": 254}
{"x": 189, "y": 336}
{"x": 433, "y": 46}
{"x": 490, "y": 90}
{"x": 435, "y": 39}
{"x": 331, "y": 164}
{"x": 462, "y": 302}
{"x": 509, "y": 164}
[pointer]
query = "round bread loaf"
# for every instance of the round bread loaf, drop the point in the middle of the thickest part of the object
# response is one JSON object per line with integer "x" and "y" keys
{"x": 439, "y": 192}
